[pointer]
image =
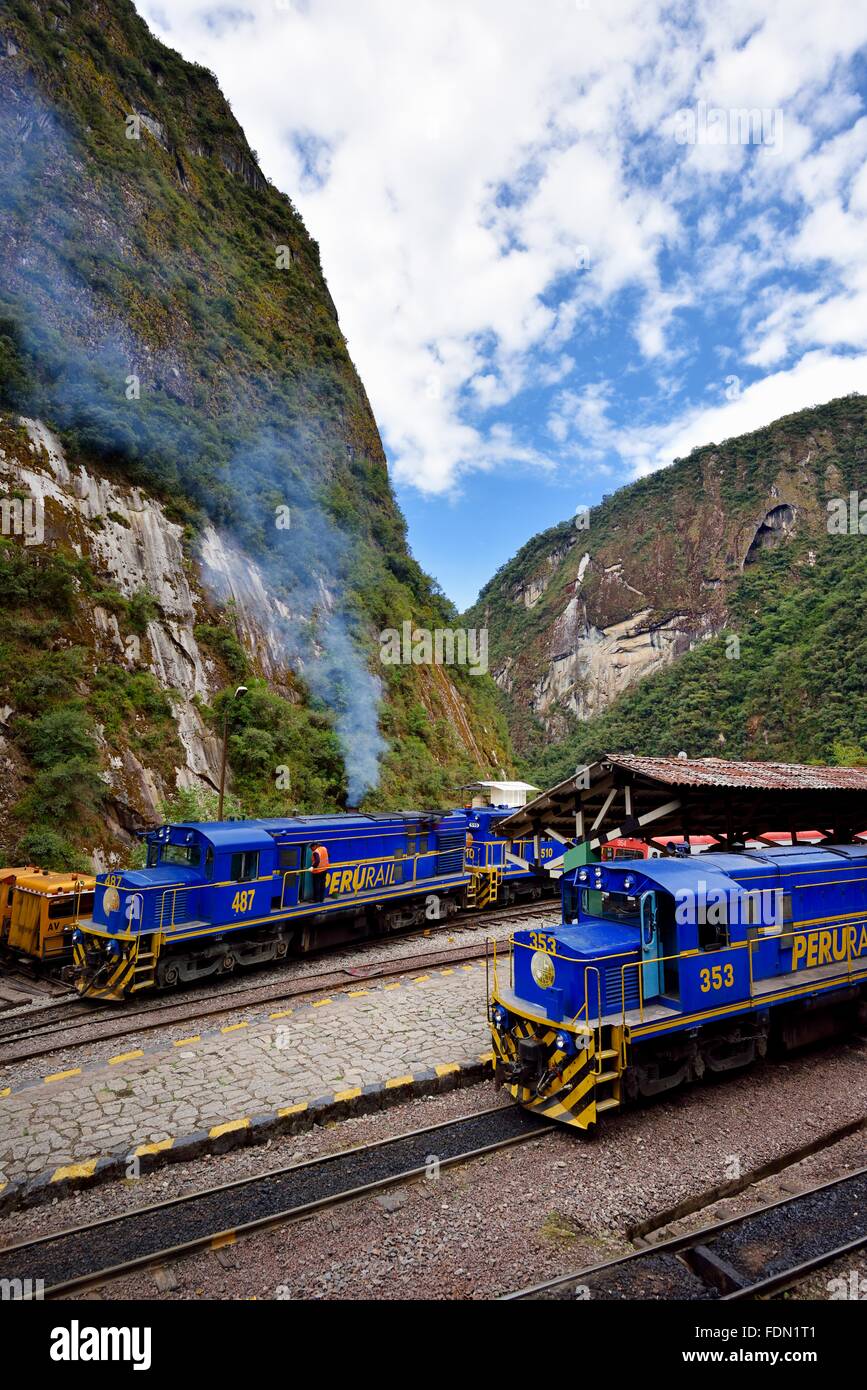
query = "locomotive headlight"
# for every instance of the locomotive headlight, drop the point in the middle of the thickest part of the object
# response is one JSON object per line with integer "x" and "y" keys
{"x": 542, "y": 969}
{"x": 583, "y": 875}
{"x": 499, "y": 1017}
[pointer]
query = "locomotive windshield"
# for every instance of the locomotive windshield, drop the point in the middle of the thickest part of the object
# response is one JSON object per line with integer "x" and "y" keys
{"x": 187, "y": 855}
{"x": 621, "y": 907}
{"x": 616, "y": 907}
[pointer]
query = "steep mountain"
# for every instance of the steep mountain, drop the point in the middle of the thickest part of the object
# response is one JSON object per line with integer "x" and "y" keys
{"x": 717, "y": 606}
{"x": 180, "y": 408}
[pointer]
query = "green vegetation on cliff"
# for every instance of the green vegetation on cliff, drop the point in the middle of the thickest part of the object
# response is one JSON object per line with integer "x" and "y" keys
{"x": 694, "y": 540}
{"x": 164, "y": 309}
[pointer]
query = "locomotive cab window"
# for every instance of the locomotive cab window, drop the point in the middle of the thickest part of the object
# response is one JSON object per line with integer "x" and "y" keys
{"x": 181, "y": 854}
{"x": 621, "y": 907}
{"x": 290, "y": 858}
{"x": 153, "y": 856}
{"x": 245, "y": 866}
{"x": 713, "y": 932}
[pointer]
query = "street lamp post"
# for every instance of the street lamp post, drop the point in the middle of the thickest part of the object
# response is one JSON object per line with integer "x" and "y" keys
{"x": 242, "y": 690}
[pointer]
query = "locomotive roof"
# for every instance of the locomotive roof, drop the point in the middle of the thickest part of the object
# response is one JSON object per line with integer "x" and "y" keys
{"x": 250, "y": 833}
{"x": 717, "y": 869}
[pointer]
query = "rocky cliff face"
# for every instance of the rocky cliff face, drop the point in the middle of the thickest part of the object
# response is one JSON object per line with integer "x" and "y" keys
{"x": 126, "y": 546}
{"x": 582, "y": 615}
{"x": 217, "y": 499}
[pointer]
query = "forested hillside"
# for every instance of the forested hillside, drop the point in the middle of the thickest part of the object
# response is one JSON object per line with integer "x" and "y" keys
{"x": 164, "y": 313}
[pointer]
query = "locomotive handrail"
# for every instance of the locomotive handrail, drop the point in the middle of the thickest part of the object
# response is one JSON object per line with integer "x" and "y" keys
{"x": 343, "y": 864}
{"x": 595, "y": 970}
{"x": 846, "y": 928}
{"x": 573, "y": 960}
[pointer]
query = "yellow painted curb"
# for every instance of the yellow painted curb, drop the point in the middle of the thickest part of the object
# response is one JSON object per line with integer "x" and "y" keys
{"x": 348, "y": 1095}
{"x": 446, "y": 1068}
{"x": 319, "y": 1003}
{"x": 62, "y": 1075}
{"x": 75, "y": 1170}
{"x": 283, "y": 1013}
{"x": 398, "y": 1081}
{"x": 229, "y": 1127}
{"x": 158, "y": 1147}
{"x": 293, "y": 1109}
{"x": 233, "y": 1027}
{"x": 125, "y": 1057}
{"x": 183, "y": 1042}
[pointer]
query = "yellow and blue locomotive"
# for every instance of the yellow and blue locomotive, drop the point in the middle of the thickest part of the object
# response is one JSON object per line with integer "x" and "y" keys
{"x": 662, "y": 970}
{"x": 217, "y": 895}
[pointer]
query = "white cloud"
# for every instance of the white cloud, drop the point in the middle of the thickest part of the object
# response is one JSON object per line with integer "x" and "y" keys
{"x": 461, "y": 163}
{"x": 818, "y": 376}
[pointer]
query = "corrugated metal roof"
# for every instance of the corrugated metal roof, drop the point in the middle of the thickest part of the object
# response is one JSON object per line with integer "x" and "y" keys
{"x": 727, "y": 772}
{"x": 502, "y": 786}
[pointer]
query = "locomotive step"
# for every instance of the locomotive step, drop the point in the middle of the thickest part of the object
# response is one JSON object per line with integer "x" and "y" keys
{"x": 608, "y": 1104}
{"x": 606, "y": 1076}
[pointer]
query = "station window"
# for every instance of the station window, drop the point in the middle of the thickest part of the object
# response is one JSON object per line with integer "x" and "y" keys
{"x": 245, "y": 866}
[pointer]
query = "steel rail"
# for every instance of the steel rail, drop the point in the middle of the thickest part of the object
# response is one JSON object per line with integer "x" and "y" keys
{"x": 703, "y": 1236}
{"x": 25, "y": 1254}
{"x": 103, "y": 1027}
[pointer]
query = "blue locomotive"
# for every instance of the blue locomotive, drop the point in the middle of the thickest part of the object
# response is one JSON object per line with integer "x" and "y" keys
{"x": 217, "y": 895}
{"x": 665, "y": 969}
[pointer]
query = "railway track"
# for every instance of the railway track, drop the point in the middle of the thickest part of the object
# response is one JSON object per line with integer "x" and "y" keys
{"x": 86, "y": 1255}
{"x": 53, "y": 1028}
{"x": 754, "y": 1255}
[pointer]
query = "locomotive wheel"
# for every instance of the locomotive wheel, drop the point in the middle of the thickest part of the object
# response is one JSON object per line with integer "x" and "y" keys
{"x": 169, "y": 975}
{"x": 227, "y": 964}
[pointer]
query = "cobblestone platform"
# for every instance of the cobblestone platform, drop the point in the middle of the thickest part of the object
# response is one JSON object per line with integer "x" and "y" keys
{"x": 335, "y": 1048}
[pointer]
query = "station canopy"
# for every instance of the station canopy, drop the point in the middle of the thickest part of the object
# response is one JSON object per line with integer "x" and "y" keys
{"x": 675, "y": 798}
{"x": 506, "y": 793}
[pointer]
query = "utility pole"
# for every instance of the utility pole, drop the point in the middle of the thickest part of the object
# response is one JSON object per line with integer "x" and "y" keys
{"x": 242, "y": 690}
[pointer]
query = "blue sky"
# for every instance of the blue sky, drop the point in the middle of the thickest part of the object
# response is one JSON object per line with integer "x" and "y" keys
{"x": 562, "y": 249}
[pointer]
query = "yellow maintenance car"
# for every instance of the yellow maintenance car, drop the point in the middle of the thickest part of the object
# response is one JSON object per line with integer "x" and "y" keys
{"x": 8, "y": 879}
{"x": 41, "y": 909}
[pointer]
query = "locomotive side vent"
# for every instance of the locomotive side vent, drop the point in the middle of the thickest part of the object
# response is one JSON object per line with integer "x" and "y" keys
{"x": 450, "y": 853}
{"x": 612, "y": 989}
